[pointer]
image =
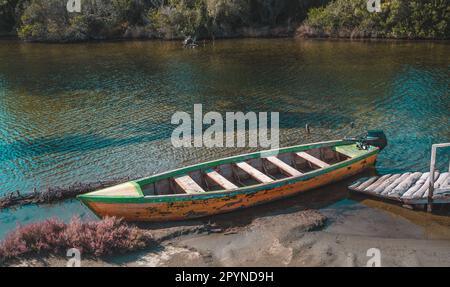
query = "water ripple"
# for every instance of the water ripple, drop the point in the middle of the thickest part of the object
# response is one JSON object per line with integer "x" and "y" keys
{"x": 102, "y": 110}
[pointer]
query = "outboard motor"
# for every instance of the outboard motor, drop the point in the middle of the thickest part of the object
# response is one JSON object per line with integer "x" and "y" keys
{"x": 375, "y": 138}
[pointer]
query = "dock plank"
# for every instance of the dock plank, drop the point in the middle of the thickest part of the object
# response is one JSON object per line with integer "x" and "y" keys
{"x": 387, "y": 182}
{"x": 284, "y": 167}
{"x": 368, "y": 182}
{"x": 443, "y": 190}
{"x": 253, "y": 172}
{"x": 405, "y": 184}
{"x": 419, "y": 193}
{"x": 437, "y": 182}
{"x": 357, "y": 183}
{"x": 312, "y": 159}
{"x": 371, "y": 188}
{"x": 416, "y": 186}
{"x": 445, "y": 184}
{"x": 395, "y": 183}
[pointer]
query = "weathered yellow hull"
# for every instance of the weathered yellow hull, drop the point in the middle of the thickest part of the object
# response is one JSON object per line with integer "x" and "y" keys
{"x": 140, "y": 210}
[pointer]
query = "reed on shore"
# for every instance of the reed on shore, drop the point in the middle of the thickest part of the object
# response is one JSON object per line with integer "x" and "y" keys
{"x": 54, "y": 237}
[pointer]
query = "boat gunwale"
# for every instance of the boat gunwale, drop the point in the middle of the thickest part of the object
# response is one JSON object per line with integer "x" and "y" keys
{"x": 240, "y": 190}
{"x": 232, "y": 159}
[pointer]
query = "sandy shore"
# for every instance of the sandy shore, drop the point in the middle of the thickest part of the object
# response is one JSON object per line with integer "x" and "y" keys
{"x": 350, "y": 231}
{"x": 326, "y": 227}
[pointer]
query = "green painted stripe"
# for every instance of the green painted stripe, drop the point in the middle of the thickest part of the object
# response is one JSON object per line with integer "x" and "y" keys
{"x": 221, "y": 193}
{"x": 261, "y": 154}
{"x": 238, "y": 158}
{"x": 138, "y": 188}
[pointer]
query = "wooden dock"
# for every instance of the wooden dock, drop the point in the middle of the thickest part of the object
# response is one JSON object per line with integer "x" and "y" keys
{"x": 411, "y": 188}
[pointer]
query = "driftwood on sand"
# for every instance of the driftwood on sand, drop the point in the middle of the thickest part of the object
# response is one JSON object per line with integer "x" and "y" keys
{"x": 54, "y": 194}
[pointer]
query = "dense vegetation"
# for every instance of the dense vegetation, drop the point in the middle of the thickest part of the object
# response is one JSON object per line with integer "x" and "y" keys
{"x": 409, "y": 19}
{"x": 7, "y": 16}
{"x": 48, "y": 20}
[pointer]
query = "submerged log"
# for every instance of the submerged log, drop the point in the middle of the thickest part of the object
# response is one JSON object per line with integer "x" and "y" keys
{"x": 190, "y": 42}
{"x": 54, "y": 194}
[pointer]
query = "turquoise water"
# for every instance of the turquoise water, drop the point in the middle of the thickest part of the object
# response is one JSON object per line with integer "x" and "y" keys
{"x": 89, "y": 112}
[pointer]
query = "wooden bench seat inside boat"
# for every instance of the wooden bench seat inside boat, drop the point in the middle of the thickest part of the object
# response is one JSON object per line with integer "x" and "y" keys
{"x": 284, "y": 167}
{"x": 312, "y": 159}
{"x": 254, "y": 173}
{"x": 187, "y": 184}
{"x": 219, "y": 179}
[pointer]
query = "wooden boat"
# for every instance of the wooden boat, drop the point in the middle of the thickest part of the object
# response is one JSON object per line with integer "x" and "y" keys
{"x": 232, "y": 183}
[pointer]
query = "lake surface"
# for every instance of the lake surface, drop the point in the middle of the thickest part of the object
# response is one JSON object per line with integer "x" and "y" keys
{"x": 96, "y": 111}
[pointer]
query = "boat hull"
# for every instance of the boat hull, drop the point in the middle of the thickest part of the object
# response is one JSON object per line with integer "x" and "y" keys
{"x": 142, "y": 209}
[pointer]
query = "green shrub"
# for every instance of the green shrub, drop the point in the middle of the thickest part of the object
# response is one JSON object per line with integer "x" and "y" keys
{"x": 225, "y": 16}
{"x": 398, "y": 19}
{"x": 43, "y": 20}
{"x": 178, "y": 19}
{"x": 279, "y": 12}
{"x": 48, "y": 20}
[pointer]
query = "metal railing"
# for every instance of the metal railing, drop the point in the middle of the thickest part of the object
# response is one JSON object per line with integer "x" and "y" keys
{"x": 432, "y": 169}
